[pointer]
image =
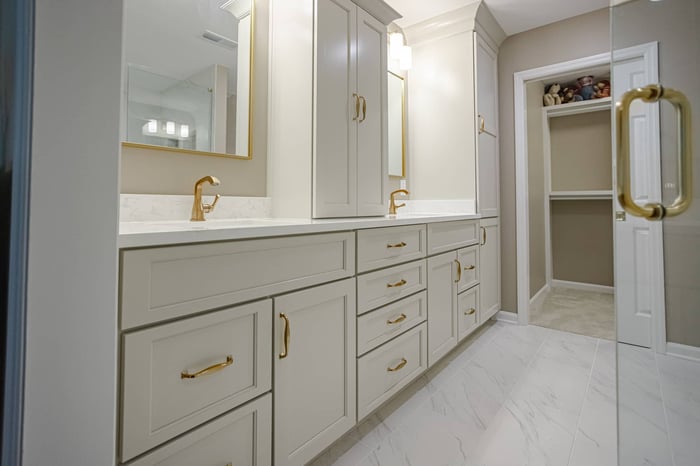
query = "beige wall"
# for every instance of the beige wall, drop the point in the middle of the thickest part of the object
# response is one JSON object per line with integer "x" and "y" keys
{"x": 573, "y": 38}
{"x": 536, "y": 187}
{"x": 581, "y": 148}
{"x": 582, "y": 241}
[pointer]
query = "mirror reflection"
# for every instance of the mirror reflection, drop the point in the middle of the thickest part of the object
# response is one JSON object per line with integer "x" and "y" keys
{"x": 188, "y": 74}
{"x": 396, "y": 111}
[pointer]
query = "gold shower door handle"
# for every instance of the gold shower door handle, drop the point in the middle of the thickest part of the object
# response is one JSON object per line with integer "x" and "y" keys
{"x": 655, "y": 210}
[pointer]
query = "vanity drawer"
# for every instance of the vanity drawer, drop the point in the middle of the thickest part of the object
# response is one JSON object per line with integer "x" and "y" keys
{"x": 241, "y": 437}
{"x": 377, "y": 327}
{"x": 469, "y": 260}
{"x": 384, "y": 247}
{"x": 162, "y": 283}
{"x": 167, "y": 391}
{"x": 467, "y": 312}
{"x": 386, "y": 370}
{"x": 376, "y": 289}
{"x": 446, "y": 236}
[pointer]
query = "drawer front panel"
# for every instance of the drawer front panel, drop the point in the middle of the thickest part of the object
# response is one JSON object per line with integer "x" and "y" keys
{"x": 242, "y": 437}
{"x": 167, "y": 388}
{"x": 386, "y": 370}
{"x": 381, "y": 325}
{"x": 446, "y": 236}
{"x": 162, "y": 283}
{"x": 468, "y": 312}
{"x": 384, "y": 286}
{"x": 384, "y": 247}
{"x": 469, "y": 260}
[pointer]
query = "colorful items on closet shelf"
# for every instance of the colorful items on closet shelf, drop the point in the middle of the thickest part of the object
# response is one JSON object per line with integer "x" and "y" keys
{"x": 584, "y": 88}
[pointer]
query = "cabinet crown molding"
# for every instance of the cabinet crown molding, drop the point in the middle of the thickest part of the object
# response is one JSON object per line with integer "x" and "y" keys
{"x": 473, "y": 17}
{"x": 379, "y": 9}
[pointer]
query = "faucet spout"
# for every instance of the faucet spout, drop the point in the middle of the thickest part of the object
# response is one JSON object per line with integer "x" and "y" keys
{"x": 199, "y": 208}
{"x": 392, "y": 204}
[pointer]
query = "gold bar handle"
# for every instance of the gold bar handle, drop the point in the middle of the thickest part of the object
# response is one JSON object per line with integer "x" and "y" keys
{"x": 364, "y": 109}
{"x": 400, "y": 318}
{"x": 209, "y": 370}
{"x": 483, "y": 233}
{"x": 397, "y": 245}
{"x": 398, "y": 367}
{"x": 401, "y": 282}
{"x": 482, "y": 127}
{"x": 287, "y": 332}
{"x": 459, "y": 271}
{"x": 357, "y": 107}
{"x": 470, "y": 267}
{"x": 470, "y": 311}
{"x": 655, "y": 210}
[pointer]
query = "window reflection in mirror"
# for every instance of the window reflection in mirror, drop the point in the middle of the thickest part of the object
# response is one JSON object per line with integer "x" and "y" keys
{"x": 396, "y": 133}
{"x": 188, "y": 74}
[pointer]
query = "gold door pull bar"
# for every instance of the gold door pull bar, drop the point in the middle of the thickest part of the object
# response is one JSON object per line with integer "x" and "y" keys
{"x": 400, "y": 318}
{"x": 357, "y": 107}
{"x": 364, "y": 109}
{"x": 209, "y": 370}
{"x": 655, "y": 210}
{"x": 470, "y": 267}
{"x": 483, "y": 232}
{"x": 401, "y": 282}
{"x": 397, "y": 245}
{"x": 470, "y": 312}
{"x": 459, "y": 271}
{"x": 287, "y": 332}
{"x": 398, "y": 367}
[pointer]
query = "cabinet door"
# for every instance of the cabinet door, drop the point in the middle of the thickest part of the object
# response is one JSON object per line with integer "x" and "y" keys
{"x": 486, "y": 82}
{"x": 443, "y": 330}
{"x": 487, "y": 119}
{"x": 315, "y": 374}
{"x": 490, "y": 262}
{"x": 335, "y": 131}
{"x": 488, "y": 181}
{"x": 372, "y": 146}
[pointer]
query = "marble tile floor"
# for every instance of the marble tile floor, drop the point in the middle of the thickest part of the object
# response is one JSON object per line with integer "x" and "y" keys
{"x": 577, "y": 311}
{"x": 509, "y": 396}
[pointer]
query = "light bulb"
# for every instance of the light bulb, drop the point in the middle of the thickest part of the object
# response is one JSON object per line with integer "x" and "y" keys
{"x": 184, "y": 131}
{"x": 170, "y": 127}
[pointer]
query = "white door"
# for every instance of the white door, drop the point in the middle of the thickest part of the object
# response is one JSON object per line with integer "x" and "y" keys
{"x": 443, "y": 326}
{"x": 639, "y": 243}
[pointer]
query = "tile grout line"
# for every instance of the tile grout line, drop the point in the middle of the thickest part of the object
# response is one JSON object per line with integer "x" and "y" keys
{"x": 663, "y": 406}
{"x": 585, "y": 397}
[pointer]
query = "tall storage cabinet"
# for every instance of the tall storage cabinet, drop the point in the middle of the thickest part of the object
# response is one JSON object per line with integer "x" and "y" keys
{"x": 487, "y": 128}
{"x": 327, "y": 148}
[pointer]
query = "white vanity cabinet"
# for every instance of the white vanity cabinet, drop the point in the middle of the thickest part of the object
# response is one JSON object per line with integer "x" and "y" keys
{"x": 314, "y": 364}
{"x": 490, "y": 264}
{"x": 327, "y": 151}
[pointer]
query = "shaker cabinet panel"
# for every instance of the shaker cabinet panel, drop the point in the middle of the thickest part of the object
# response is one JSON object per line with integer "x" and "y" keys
{"x": 490, "y": 261}
{"x": 488, "y": 169}
{"x": 443, "y": 332}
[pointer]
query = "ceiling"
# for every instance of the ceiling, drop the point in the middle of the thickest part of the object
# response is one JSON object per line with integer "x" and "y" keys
{"x": 514, "y": 16}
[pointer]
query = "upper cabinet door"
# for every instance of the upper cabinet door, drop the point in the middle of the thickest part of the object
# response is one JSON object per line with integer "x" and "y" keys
{"x": 335, "y": 149}
{"x": 372, "y": 148}
{"x": 486, "y": 82}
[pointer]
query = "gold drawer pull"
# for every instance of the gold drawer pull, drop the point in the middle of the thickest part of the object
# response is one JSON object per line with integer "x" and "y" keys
{"x": 469, "y": 312}
{"x": 357, "y": 107}
{"x": 398, "y": 367}
{"x": 287, "y": 332}
{"x": 459, "y": 271}
{"x": 400, "y": 318}
{"x": 208, "y": 370}
{"x": 397, "y": 245}
{"x": 470, "y": 267}
{"x": 401, "y": 282}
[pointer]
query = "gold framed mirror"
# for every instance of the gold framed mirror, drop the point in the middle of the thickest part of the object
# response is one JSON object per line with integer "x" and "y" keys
{"x": 190, "y": 69}
{"x": 396, "y": 109}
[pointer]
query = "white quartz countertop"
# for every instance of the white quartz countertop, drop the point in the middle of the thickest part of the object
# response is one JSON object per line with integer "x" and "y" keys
{"x": 161, "y": 233}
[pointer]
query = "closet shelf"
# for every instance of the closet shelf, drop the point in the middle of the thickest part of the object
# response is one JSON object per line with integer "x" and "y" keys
{"x": 580, "y": 195}
{"x": 586, "y": 106}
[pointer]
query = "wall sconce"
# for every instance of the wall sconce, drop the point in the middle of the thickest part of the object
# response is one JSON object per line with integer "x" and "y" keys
{"x": 400, "y": 53}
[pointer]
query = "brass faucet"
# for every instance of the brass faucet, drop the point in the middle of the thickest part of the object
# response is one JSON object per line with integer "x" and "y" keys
{"x": 392, "y": 205}
{"x": 199, "y": 208}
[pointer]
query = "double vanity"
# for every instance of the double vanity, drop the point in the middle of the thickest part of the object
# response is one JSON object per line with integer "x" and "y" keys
{"x": 260, "y": 340}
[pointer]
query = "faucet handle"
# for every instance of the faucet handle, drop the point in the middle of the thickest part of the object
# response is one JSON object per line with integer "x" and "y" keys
{"x": 209, "y": 207}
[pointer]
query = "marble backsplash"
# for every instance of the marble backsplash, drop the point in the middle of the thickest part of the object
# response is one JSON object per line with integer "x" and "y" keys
{"x": 161, "y": 207}
{"x": 439, "y": 206}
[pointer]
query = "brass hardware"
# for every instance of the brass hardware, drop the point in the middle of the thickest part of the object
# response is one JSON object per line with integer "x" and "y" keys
{"x": 470, "y": 267}
{"x": 482, "y": 127}
{"x": 470, "y": 311}
{"x": 401, "y": 282}
{"x": 199, "y": 208}
{"x": 287, "y": 332}
{"x": 364, "y": 108}
{"x": 459, "y": 271}
{"x": 357, "y": 107}
{"x": 392, "y": 203}
{"x": 397, "y": 245}
{"x": 209, "y": 370}
{"x": 483, "y": 233}
{"x": 398, "y": 367}
{"x": 620, "y": 216}
{"x": 400, "y": 318}
{"x": 655, "y": 210}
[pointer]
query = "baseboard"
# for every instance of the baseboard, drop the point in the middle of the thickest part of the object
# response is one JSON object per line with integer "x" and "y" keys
{"x": 506, "y": 316}
{"x": 583, "y": 286}
{"x": 683, "y": 351}
{"x": 538, "y": 299}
